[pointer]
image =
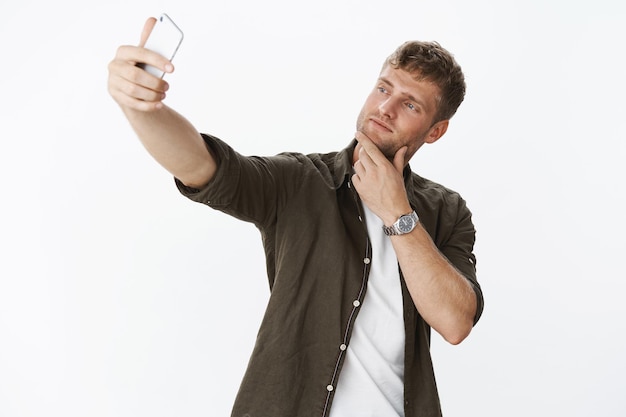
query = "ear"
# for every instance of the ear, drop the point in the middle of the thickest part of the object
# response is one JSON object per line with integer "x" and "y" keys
{"x": 436, "y": 131}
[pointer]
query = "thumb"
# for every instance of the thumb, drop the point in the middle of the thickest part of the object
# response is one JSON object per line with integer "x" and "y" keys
{"x": 398, "y": 159}
{"x": 147, "y": 29}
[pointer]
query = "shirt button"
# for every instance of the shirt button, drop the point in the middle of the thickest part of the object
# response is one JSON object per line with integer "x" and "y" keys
{"x": 343, "y": 347}
{"x": 366, "y": 261}
{"x": 356, "y": 303}
{"x": 329, "y": 388}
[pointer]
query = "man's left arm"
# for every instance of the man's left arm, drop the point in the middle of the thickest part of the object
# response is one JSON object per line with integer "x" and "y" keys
{"x": 442, "y": 295}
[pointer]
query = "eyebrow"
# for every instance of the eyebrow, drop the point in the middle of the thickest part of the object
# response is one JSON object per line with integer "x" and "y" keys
{"x": 405, "y": 93}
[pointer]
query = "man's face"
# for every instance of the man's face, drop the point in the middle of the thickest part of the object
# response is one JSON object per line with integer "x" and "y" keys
{"x": 400, "y": 112}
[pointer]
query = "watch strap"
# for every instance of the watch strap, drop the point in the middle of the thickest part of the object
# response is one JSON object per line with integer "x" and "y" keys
{"x": 394, "y": 229}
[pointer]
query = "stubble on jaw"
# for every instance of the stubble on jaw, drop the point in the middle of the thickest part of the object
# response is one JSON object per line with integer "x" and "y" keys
{"x": 389, "y": 149}
{"x": 385, "y": 148}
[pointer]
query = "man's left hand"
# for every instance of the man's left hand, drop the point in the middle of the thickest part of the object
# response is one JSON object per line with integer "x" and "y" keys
{"x": 379, "y": 181}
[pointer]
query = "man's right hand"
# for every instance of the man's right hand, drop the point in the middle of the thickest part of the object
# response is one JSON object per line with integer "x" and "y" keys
{"x": 132, "y": 87}
{"x": 170, "y": 138}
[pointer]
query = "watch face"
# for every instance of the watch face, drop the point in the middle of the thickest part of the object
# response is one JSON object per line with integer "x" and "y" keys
{"x": 406, "y": 224}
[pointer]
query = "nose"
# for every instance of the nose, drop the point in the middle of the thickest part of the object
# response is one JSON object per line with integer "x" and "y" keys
{"x": 387, "y": 107}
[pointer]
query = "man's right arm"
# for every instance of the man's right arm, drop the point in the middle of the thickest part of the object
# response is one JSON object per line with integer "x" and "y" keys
{"x": 168, "y": 136}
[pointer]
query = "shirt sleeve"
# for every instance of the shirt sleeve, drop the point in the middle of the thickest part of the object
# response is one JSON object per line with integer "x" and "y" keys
{"x": 446, "y": 217}
{"x": 458, "y": 249}
{"x": 249, "y": 188}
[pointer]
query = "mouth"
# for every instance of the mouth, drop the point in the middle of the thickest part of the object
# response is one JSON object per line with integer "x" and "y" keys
{"x": 380, "y": 124}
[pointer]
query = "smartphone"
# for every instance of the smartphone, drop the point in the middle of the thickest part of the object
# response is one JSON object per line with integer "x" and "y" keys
{"x": 165, "y": 39}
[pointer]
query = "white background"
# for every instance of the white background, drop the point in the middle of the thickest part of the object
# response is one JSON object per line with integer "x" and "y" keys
{"x": 119, "y": 297}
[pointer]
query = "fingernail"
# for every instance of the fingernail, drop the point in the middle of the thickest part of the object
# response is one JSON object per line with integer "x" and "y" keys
{"x": 169, "y": 67}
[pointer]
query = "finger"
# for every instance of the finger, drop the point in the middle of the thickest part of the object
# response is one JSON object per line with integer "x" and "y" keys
{"x": 357, "y": 182}
{"x": 370, "y": 147}
{"x": 365, "y": 159}
{"x": 127, "y": 53}
{"x": 146, "y": 56}
{"x": 359, "y": 168}
{"x": 123, "y": 71}
{"x": 125, "y": 92}
{"x": 362, "y": 138}
{"x": 127, "y": 101}
{"x": 147, "y": 29}
{"x": 361, "y": 158}
{"x": 129, "y": 93}
{"x": 137, "y": 54}
{"x": 357, "y": 148}
{"x": 139, "y": 92}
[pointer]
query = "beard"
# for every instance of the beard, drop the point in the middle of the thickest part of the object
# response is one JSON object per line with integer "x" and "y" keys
{"x": 386, "y": 145}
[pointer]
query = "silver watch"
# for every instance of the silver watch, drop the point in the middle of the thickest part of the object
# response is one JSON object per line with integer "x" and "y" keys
{"x": 405, "y": 224}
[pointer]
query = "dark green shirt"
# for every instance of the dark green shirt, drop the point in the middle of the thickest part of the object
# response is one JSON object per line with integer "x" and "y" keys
{"x": 318, "y": 253}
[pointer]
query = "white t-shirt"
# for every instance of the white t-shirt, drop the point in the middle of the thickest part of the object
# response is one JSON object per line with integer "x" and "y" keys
{"x": 371, "y": 383}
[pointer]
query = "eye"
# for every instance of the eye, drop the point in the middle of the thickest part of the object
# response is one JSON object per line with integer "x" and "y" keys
{"x": 411, "y": 107}
{"x": 382, "y": 89}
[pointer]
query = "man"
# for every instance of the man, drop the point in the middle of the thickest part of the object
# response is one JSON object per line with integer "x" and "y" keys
{"x": 364, "y": 257}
